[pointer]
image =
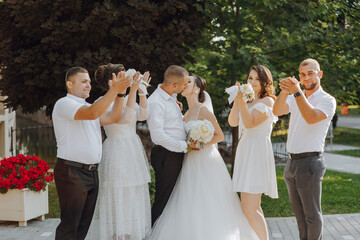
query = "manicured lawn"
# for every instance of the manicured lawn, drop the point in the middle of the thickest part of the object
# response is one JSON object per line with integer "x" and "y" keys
{"x": 340, "y": 195}
{"x": 347, "y": 136}
{"x": 351, "y": 153}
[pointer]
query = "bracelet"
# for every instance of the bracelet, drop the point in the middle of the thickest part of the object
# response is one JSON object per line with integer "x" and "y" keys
{"x": 142, "y": 94}
{"x": 121, "y": 94}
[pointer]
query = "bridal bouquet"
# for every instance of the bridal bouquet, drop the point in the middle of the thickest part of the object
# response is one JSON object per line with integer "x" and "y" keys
{"x": 143, "y": 85}
{"x": 201, "y": 131}
{"x": 246, "y": 90}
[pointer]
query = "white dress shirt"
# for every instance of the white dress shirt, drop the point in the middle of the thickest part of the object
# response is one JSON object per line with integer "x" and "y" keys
{"x": 304, "y": 137}
{"x": 165, "y": 121}
{"x": 77, "y": 140}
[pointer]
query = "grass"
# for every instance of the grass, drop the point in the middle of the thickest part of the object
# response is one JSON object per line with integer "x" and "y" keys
{"x": 347, "y": 136}
{"x": 354, "y": 110}
{"x": 340, "y": 195}
{"x": 351, "y": 153}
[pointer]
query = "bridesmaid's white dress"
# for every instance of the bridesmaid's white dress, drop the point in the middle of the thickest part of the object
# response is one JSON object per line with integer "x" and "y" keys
{"x": 202, "y": 205}
{"x": 123, "y": 209}
{"x": 254, "y": 170}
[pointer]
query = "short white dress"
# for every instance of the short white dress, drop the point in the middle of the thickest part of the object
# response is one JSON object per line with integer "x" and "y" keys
{"x": 123, "y": 209}
{"x": 254, "y": 170}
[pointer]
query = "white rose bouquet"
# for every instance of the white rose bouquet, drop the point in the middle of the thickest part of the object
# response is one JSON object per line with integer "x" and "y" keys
{"x": 202, "y": 131}
{"x": 246, "y": 90}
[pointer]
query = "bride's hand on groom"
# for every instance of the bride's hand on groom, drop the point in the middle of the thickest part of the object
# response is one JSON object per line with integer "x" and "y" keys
{"x": 180, "y": 105}
{"x": 194, "y": 146}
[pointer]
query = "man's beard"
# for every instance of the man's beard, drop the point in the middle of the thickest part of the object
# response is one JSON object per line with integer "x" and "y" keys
{"x": 312, "y": 86}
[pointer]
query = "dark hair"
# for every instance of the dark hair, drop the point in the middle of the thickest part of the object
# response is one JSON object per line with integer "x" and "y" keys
{"x": 201, "y": 84}
{"x": 73, "y": 71}
{"x": 174, "y": 70}
{"x": 266, "y": 81}
{"x": 104, "y": 73}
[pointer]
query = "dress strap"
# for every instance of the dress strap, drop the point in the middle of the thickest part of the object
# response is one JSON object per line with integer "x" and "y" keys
{"x": 197, "y": 115}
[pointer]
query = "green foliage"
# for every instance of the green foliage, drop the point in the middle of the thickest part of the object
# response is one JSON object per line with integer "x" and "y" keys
{"x": 279, "y": 35}
{"x": 347, "y": 136}
{"x": 40, "y": 40}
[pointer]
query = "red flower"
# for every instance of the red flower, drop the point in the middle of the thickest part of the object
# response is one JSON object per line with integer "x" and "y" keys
{"x": 24, "y": 172}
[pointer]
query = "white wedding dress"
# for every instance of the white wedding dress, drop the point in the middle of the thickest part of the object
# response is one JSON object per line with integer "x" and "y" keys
{"x": 123, "y": 208}
{"x": 254, "y": 170}
{"x": 202, "y": 205}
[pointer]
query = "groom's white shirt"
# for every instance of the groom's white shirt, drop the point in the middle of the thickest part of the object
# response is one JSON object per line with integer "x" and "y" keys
{"x": 165, "y": 121}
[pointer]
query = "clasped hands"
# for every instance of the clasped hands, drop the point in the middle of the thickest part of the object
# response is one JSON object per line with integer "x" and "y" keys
{"x": 289, "y": 85}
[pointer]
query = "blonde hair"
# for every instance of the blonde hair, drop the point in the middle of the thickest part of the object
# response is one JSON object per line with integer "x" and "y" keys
{"x": 310, "y": 61}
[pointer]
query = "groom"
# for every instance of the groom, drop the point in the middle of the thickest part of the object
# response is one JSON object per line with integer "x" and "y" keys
{"x": 168, "y": 133}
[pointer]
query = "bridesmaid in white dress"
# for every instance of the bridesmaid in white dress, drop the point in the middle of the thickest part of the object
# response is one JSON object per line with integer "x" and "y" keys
{"x": 123, "y": 207}
{"x": 254, "y": 171}
{"x": 202, "y": 205}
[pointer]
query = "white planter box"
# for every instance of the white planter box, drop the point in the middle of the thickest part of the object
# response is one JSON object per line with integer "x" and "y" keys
{"x": 23, "y": 205}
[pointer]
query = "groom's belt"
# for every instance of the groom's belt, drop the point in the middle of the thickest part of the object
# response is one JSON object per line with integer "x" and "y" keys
{"x": 89, "y": 167}
{"x": 304, "y": 155}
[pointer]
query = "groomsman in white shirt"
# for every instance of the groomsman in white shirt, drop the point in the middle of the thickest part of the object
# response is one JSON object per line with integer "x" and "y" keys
{"x": 168, "y": 133}
{"x": 311, "y": 113}
{"x": 78, "y": 136}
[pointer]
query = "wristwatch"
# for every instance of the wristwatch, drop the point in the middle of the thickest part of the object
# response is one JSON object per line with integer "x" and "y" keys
{"x": 121, "y": 94}
{"x": 297, "y": 94}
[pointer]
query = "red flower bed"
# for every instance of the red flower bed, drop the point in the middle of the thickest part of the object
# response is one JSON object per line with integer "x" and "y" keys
{"x": 24, "y": 172}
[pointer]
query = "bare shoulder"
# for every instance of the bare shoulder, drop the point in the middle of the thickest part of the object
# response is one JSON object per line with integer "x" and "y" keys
{"x": 205, "y": 113}
{"x": 267, "y": 101}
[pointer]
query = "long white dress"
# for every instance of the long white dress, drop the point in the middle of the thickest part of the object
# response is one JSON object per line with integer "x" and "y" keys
{"x": 202, "y": 205}
{"x": 123, "y": 208}
{"x": 254, "y": 170}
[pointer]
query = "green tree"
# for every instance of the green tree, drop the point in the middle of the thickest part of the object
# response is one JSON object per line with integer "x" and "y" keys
{"x": 40, "y": 40}
{"x": 278, "y": 34}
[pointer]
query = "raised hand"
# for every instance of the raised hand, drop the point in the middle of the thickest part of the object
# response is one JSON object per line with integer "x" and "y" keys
{"x": 239, "y": 96}
{"x": 290, "y": 85}
{"x": 136, "y": 81}
{"x": 120, "y": 82}
{"x": 146, "y": 78}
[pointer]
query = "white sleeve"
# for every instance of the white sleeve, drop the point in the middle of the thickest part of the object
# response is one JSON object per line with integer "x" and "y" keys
{"x": 142, "y": 113}
{"x": 157, "y": 133}
{"x": 327, "y": 106}
{"x": 66, "y": 108}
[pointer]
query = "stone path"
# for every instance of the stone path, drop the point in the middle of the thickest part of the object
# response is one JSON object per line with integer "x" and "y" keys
{"x": 336, "y": 227}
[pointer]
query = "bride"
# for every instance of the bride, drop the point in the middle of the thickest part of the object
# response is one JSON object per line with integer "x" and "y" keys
{"x": 202, "y": 205}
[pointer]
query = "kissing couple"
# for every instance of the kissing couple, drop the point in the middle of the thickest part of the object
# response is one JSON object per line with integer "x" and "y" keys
{"x": 194, "y": 198}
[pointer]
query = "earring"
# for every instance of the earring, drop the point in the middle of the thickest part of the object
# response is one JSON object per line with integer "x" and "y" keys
{"x": 196, "y": 91}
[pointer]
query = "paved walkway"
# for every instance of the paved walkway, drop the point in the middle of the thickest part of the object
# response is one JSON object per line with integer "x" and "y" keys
{"x": 336, "y": 227}
{"x": 349, "y": 121}
{"x": 340, "y": 162}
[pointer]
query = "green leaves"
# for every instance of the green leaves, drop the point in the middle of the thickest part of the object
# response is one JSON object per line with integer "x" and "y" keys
{"x": 40, "y": 40}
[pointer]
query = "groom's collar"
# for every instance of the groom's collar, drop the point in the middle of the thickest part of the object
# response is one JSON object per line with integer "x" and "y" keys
{"x": 78, "y": 99}
{"x": 164, "y": 94}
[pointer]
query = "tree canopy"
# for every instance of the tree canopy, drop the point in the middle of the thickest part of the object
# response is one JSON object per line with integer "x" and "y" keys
{"x": 40, "y": 40}
{"x": 280, "y": 34}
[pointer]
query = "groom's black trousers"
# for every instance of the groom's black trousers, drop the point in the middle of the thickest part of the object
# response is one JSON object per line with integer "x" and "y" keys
{"x": 167, "y": 166}
{"x": 77, "y": 189}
